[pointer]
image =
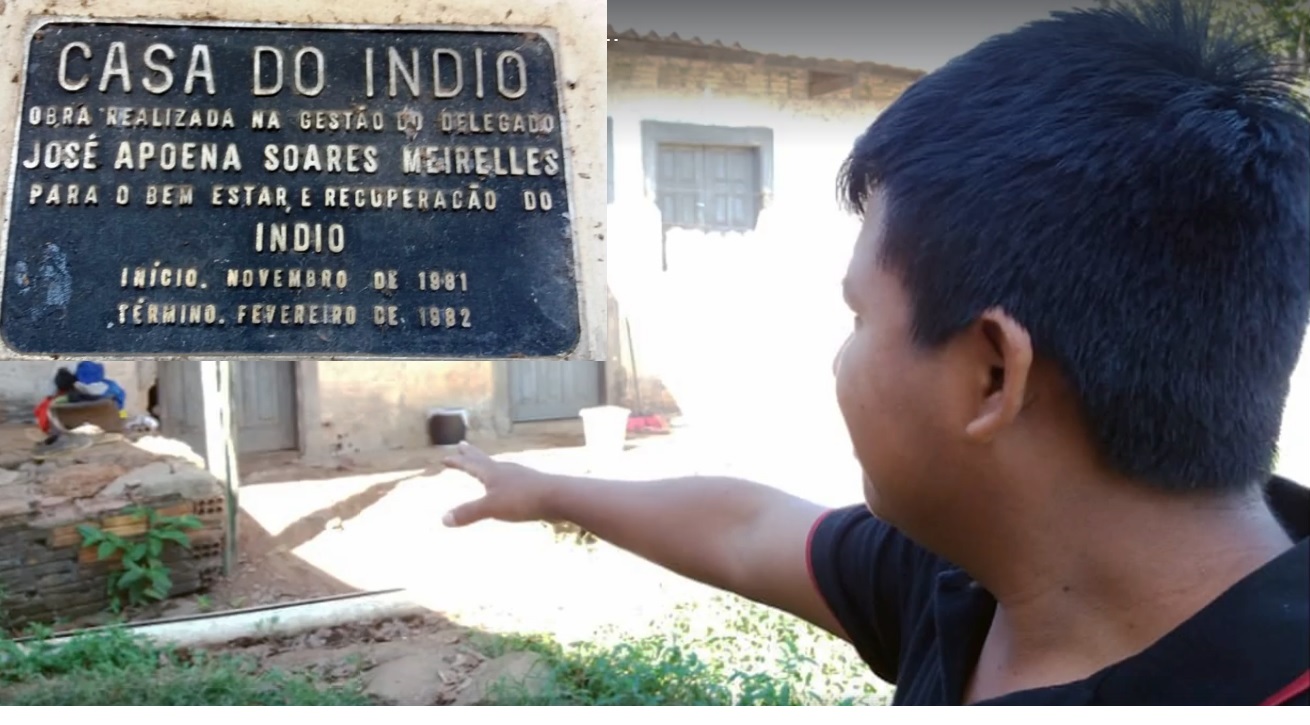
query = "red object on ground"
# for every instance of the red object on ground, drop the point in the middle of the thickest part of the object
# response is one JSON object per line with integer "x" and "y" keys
{"x": 43, "y": 413}
{"x": 647, "y": 424}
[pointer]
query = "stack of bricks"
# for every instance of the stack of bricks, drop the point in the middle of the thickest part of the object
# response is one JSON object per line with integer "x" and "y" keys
{"x": 47, "y": 575}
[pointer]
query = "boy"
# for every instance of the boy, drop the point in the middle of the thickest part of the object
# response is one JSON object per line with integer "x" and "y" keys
{"x": 1079, "y": 293}
{"x": 92, "y": 381}
{"x": 65, "y": 391}
{"x": 58, "y": 439}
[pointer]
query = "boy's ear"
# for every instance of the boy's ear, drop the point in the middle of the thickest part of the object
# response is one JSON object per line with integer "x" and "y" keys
{"x": 1004, "y": 364}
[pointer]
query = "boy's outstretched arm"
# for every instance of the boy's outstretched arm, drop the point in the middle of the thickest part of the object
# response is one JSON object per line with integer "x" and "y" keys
{"x": 736, "y": 535}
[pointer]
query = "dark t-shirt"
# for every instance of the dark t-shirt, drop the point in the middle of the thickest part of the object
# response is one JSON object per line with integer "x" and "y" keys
{"x": 919, "y": 622}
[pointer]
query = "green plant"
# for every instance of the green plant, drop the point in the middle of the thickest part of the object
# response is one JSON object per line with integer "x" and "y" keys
{"x": 722, "y": 651}
{"x": 143, "y": 577}
{"x": 109, "y": 651}
{"x": 1283, "y": 26}
{"x": 115, "y": 667}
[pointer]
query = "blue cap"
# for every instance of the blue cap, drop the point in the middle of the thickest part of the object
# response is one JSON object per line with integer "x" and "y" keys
{"x": 90, "y": 373}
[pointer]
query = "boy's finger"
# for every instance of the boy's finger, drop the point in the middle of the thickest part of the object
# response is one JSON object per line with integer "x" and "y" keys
{"x": 466, "y": 514}
{"x": 476, "y": 469}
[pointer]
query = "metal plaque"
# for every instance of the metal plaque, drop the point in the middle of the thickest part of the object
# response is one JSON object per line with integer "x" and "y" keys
{"x": 259, "y": 190}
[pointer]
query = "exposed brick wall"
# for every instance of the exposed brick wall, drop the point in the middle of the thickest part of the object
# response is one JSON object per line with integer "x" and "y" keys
{"x": 46, "y": 573}
{"x": 812, "y": 131}
{"x": 635, "y": 73}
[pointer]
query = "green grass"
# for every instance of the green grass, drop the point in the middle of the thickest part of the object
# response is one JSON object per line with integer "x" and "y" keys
{"x": 722, "y": 651}
{"x": 116, "y": 668}
{"x": 728, "y": 651}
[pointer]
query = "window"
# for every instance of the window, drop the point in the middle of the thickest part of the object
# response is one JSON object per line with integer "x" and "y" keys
{"x": 710, "y": 178}
{"x": 715, "y": 188}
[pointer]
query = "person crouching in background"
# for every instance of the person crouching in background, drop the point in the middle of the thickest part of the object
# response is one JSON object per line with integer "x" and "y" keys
{"x": 91, "y": 380}
{"x": 65, "y": 392}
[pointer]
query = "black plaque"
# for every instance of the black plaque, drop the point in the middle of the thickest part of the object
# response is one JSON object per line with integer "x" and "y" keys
{"x": 289, "y": 191}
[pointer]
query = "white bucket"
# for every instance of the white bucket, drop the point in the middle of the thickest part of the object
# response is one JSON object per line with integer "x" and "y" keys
{"x": 605, "y": 428}
{"x": 439, "y": 424}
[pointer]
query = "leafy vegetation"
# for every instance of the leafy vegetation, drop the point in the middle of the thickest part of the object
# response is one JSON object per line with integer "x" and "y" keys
{"x": 1282, "y": 25}
{"x": 143, "y": 577}
{"x": 117, "y": 668}
{"x": 720, "y": 650}
{"x": 727, "y": 651}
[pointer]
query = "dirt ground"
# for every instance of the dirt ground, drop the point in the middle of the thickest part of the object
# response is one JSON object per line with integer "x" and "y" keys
{"x": 373, "y": 523}
{"x": 427, "y": 660}
{"x": 267, "y": 570}
{"x": 422, "y": 660}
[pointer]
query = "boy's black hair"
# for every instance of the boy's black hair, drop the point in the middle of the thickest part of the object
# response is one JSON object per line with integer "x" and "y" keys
{"x": 65, "y": 380}
{"x": 1133, "y": 186}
